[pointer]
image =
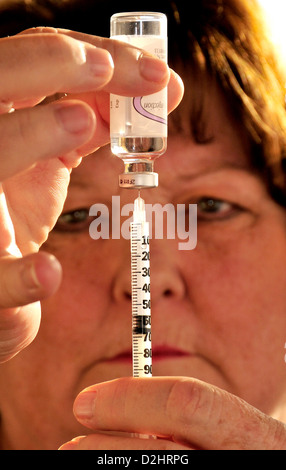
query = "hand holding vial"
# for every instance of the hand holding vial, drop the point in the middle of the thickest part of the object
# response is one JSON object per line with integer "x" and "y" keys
{"x": 35, "y": 168}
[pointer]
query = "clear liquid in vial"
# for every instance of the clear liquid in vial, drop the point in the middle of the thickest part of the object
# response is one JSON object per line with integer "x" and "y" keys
{"x": 134, "y": 147}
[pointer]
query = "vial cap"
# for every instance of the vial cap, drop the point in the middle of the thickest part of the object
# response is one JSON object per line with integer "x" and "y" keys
{"x": 138, "y": 180}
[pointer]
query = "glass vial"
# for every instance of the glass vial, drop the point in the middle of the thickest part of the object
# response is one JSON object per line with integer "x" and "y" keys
{"x": 138, "y": 125}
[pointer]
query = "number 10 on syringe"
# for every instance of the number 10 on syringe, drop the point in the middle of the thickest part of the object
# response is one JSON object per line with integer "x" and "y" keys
{"x": 141, "y": 299}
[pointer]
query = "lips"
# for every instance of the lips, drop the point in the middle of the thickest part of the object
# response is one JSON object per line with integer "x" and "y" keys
{"x": 165, "y": 352}
{"x": 159, "y": 353}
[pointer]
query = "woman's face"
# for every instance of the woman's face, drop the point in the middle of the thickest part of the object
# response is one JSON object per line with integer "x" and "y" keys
{"x": 218, "y": 311}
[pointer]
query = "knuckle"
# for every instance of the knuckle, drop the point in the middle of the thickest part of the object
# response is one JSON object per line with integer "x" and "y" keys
{"x": 189, "y": 398}
{"x": 122, "y": 53}
{"x": 43, "y": 29}
{"x": 37, "y": 30}
{"x": 62, "y": 49}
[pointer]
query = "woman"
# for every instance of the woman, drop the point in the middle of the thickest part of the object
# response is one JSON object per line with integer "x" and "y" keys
{"x": 218, "y": 312}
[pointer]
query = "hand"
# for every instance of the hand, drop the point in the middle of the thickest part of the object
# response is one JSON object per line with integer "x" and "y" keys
{"x": 39, "y": 146}
{"x": 183, "y": 413}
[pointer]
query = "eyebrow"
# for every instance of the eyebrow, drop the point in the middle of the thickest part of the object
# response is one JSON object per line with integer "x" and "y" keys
{"x": 216, "y": 169}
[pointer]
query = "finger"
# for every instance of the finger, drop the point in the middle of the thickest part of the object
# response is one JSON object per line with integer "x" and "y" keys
{"x": 50, "y": 63}
{"x": 101, "y": 99}
{"x": 100, "y": 104}
{"x": 146, "y": 74}
{"x": 29, "y": 279}
{"x": 175, "y": 91}
{"x": 18, "y": 328}
{"x": 24, "y": 281}
{"x": 110, "y": 442}
{"x": 126, "y": 53}
{"x": 27, "y": 136}
{"x": 185, "y": 410}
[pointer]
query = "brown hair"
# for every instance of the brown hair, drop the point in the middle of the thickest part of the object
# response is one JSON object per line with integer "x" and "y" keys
{"x": 226, "y": 40}
{"x": 218, "y": 39}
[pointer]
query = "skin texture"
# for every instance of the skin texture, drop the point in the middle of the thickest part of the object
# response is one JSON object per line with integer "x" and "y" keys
{"x": 218, "y": 312}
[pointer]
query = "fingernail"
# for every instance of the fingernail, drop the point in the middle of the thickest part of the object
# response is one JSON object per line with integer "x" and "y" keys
{"x": 73, "y": 118}
{"x": 29, "y": 276}
{"x": 69, "y": 446}
{"x": 99, "y": 61}
{"x": 46, "y": 272}
{"x": 153, "y": 69}
{"x": 36, "y": 274}
{"x": 73, "y": 444}
{"x": 84, "y": 405}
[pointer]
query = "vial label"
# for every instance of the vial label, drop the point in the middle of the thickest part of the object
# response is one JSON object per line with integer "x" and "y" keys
{"x": 141, "y": 116}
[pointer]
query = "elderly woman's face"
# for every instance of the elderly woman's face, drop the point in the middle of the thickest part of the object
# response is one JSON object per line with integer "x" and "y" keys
{"x": 218, "y": 311}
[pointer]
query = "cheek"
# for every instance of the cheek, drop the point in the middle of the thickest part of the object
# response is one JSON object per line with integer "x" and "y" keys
{"x": 239, "y": 298}
{"x": 237, "y": 285}
{"x": 85, "y": 292}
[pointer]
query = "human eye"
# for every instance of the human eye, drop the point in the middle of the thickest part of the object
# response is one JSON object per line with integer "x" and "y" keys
{"x": 73, "y": 221}
{"x": 213, "y": 209}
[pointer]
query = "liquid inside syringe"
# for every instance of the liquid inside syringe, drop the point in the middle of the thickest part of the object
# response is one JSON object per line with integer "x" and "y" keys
{"x": 140, "y": 288}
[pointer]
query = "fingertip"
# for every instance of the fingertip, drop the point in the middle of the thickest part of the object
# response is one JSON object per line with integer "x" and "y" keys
{"x": 73, "y": 444}
{"x": 46, "y": 272}
{"x": 41, "y": 276}
{"x": 176, "y": 90}
{"x": 74, "y": 117}
{"x": 100, "y": 64}
{"x": 153, "y": 69}
{"x": 84, "y": 405}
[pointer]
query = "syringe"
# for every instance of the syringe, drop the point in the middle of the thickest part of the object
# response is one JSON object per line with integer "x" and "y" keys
{"x": 141, "y": 299}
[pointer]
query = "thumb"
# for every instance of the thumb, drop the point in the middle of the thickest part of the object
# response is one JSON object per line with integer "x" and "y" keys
{"x": 29, "y": 279}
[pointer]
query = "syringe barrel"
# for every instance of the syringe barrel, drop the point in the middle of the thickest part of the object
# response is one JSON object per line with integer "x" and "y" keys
{"x": 138, "y": 125}
{"x": 141, "y": 299}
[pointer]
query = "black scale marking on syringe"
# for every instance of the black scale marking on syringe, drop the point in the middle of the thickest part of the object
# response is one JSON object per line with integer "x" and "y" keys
{"x": 139, "y": 325}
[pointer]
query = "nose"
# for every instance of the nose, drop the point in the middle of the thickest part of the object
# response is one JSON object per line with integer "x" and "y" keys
{"x": 166, "y": 279}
